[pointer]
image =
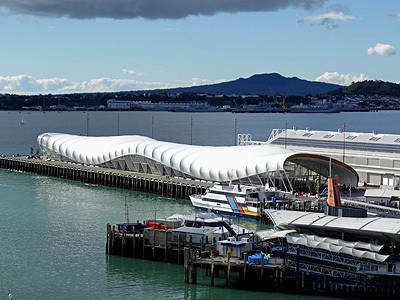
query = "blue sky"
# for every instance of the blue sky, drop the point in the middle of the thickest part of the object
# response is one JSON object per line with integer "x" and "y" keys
{"x": 108, "y": 45}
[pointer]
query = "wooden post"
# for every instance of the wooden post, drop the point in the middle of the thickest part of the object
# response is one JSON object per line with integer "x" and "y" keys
{"x": 179, "y": 246}
{"x": 193, "y": 268}
{"x": 228, "y": 267}
{"x": 134, "y": 242}
{"x": 112, "y": 239}
{"x": 212, "y": 269}
{"x": 144, "y": 243}
{"x": 262, "y": 269}
{"x": 123, "y": 241}
{"x": 166, "y": 245}
{"x": 108, "y": 237}
{"x": 244, "y": 268}
{"x": 154, "y": 241}
{"x": 186, "y": 263}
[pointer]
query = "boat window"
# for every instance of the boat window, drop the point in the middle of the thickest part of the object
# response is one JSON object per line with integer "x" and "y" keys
{"x": 253, "y": 195}
{"x": 307, "y": 134}
{"x": 397, "y": 140}
{"x": 214, "y": 200}
{"x": 374, "y": 138}
{"x": 232, "y": 194}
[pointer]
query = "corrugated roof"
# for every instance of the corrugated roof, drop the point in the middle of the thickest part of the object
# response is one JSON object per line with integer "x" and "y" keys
{"x": 381, "y": 193}
{"x": 389, "y": 143}
{"x": 328, "y": 245}
{"x": 371, "y": 227}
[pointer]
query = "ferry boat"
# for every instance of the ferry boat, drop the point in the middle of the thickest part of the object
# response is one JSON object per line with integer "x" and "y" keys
{"x": 238, "y": 200}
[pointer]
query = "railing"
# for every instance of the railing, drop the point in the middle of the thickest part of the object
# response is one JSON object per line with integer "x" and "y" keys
{"x": 274, "y": 133}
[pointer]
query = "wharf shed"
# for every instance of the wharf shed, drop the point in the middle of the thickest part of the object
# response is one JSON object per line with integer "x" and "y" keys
{"x": 265, "y": 164}
{"x": 375, "y": 157}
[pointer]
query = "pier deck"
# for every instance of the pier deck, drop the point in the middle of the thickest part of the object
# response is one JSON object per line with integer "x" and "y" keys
{"x": 156, "y": 184}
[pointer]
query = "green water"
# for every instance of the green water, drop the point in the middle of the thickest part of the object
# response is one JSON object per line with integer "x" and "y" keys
{"x": 53, "y": 245}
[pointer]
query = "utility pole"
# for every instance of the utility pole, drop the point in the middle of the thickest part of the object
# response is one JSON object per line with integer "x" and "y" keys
{"x": 235, "y": 131}
{"x": 191, "y": 130}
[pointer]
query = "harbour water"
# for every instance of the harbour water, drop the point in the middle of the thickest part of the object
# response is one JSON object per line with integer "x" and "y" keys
{"x": 53, "y": 230}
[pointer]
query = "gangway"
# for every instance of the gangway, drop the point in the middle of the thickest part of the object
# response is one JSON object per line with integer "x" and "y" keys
{"x": 379, "y": 210}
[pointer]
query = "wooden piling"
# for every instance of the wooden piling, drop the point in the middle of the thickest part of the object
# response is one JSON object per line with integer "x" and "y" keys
{"x": 212, "y": 269}
{"x": 166, "y": 245}
{"x": 179, "y": 246}
{"x": 112, "y": 239}
{"x": 262, "y": 269}
{"x": 244, "y": 267}
{"x": 193, "y": 268}
{"x": 186, "y": 263}
{"x": 123, "y": 241}
{"x": 228, "y": 267}
{"x": 134, "y": 242}
{"x": 108, "y": 238}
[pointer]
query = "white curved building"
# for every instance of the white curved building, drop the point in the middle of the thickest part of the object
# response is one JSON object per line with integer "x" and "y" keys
{"x": 245, "y": 164}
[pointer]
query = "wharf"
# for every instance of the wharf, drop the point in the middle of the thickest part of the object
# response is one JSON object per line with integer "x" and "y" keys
{"x": 156, "y": 184}
{"x": 183, "y": 248}
{"x": 286, "y": 274}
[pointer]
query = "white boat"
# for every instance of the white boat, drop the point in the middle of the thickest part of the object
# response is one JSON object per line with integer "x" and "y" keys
{"x": 314, "y": 109}
{"x": 22, "y": 122}
{"x": 238, "y": 200}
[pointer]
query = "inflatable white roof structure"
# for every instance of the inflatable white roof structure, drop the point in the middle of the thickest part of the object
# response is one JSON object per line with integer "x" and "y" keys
{"x": 330, "y": 245}
{"x": 202, "y": 162}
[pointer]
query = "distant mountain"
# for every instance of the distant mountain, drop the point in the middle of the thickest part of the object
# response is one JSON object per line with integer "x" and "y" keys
{"x": 258, "y": 85}
{"x": 370, "y": 87}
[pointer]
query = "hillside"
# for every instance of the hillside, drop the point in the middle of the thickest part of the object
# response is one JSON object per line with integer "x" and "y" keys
{"x": 258, "y": 85}
{"x": 370, "y": 87}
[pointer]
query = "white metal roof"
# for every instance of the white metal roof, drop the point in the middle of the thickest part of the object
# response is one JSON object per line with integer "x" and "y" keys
{"x": 203, "y": 162}
{"x": 381, "y": 193}
{"x": 372, "y": 227}
{"x": 270, "y": 234}
{"x": 345, "y": 248}
{"x": 364, "y": 137}
{"x": 352, "y": 141}
{"x": 340, "y": 242}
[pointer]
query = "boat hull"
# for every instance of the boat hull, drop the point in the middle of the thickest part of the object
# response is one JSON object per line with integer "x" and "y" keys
{"x": 225, "y": 209}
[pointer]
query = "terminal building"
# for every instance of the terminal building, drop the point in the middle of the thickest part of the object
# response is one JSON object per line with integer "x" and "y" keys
{"x": 268, "y": 165}
{"x": 375, "y": 157}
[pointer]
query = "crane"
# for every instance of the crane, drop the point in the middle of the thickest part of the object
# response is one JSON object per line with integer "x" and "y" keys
{"x": 273, "y": 96}
{"x": 283, "y": 107}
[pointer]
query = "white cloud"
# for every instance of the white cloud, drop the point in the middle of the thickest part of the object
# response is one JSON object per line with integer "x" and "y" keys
{"x": 331, "y": 15}
{"x": 25, "y": 84}
{"x": 198, "y": 81}
{"x": 133, "y": 72}
{"x": 328, "y": 19}
{"x": 396, "y": 16}
{"x": 382, "y": 49}
{"x": 341, "y": 79}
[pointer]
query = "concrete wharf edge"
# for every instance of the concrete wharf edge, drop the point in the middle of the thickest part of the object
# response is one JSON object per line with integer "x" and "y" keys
{"x": 156, "y": 184}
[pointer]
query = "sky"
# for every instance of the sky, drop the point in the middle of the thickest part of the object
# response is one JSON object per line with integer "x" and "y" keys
{"x": 77, "y": 46}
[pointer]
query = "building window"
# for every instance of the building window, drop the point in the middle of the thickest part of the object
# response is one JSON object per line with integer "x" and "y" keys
{"x": 328, "y": 136}
{"x": 351, "y": 137}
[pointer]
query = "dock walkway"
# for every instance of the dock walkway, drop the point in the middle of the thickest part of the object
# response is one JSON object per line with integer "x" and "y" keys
{"x": 150, "y": 183}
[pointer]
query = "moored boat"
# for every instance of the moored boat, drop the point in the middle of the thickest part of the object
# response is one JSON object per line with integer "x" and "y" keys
{"x": 238, "y": 200}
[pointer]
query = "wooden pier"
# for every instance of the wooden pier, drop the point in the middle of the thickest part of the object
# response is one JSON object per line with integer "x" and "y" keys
{"x": 277, "y": 275}
{"x": 156, "y": 184}
{"x": 177, "y": 247}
